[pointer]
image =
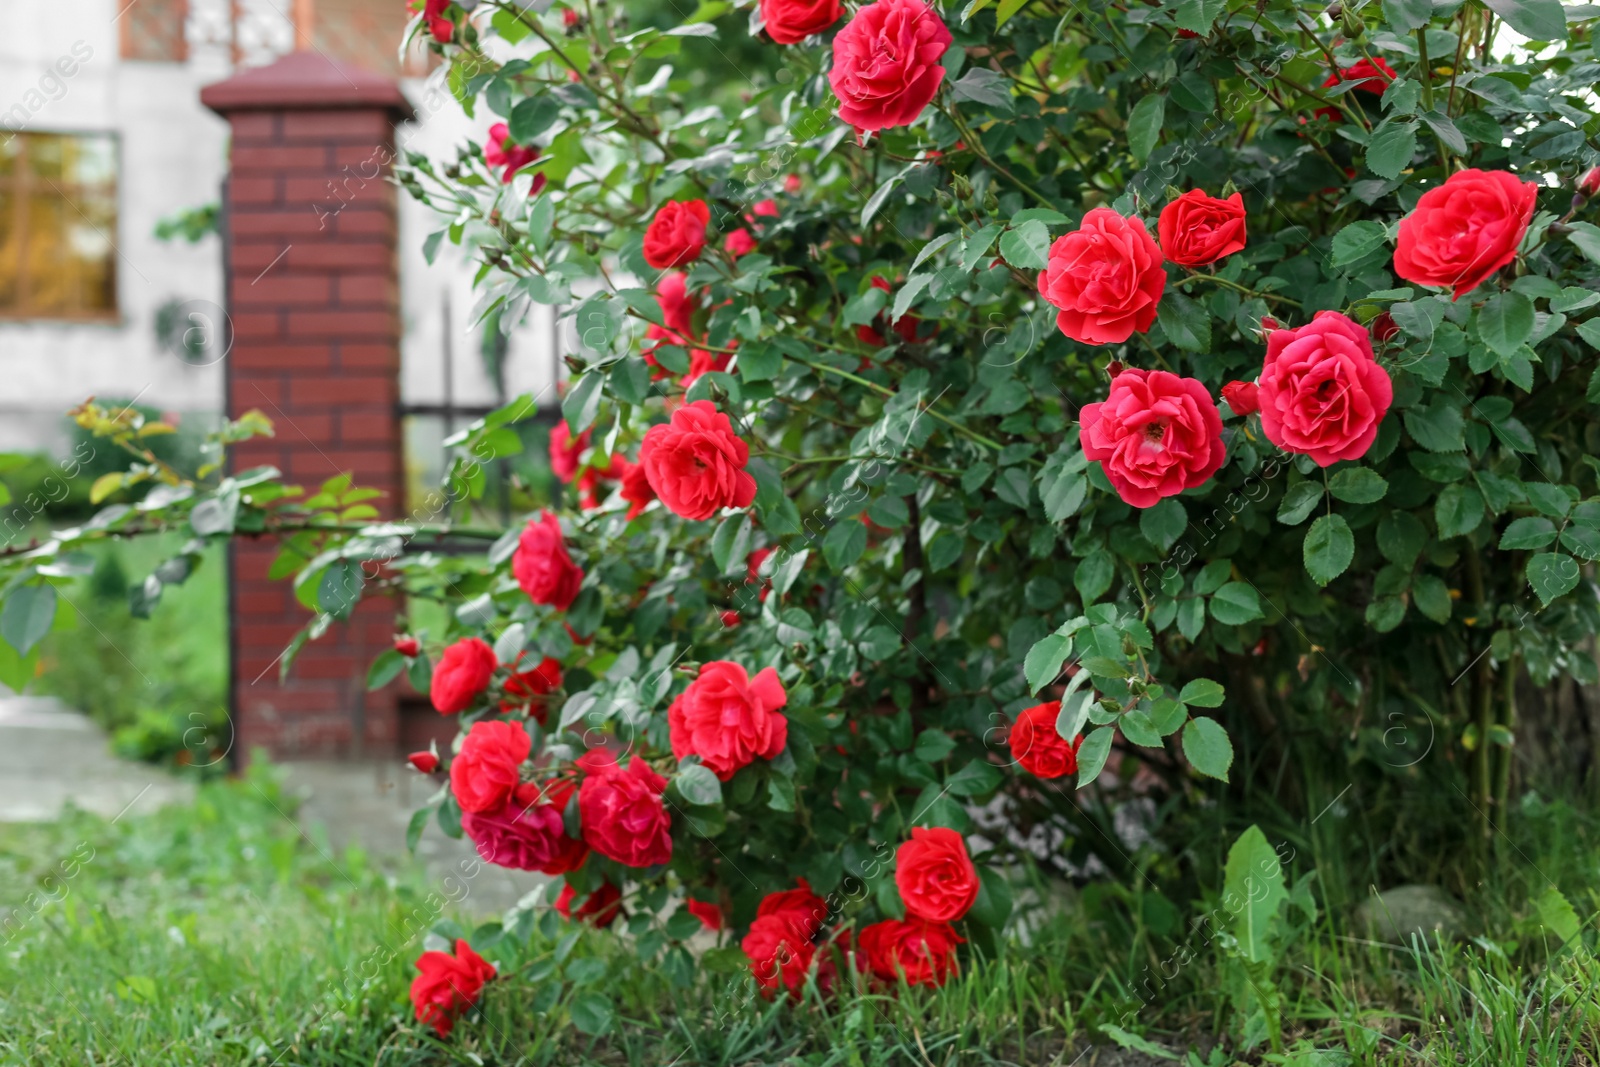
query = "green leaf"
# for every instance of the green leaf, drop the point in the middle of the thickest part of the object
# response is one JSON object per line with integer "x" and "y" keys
{"x": 1137, "y": 1043}
{"x": 844, "y": 543}
{"x": 1357, "y": 241}
{"x": 1198, "y": 16}
{"x": 1207, "y": 748}
{"x": 1529, "y": 532}
{"x": 1144, "y": 124}
{"x": 1537, "y": 20}
{"x": 993, "y": 906}
{"x": 1092, "y": 754}
{"x": 1458, "y": 511}
{"x": 1299, "y": 502}
{"x": 582, "y": 402}
{"x": 1093, "y": 576}
{"x": 1252, "y": 891}
{"x": 1027, "y": 246}
{"x": 933, "y": 745}
{"x": 698, "y": 786}
{"x": 1407, "y": 15}
{"x": 531, "y": 117}
{"x": 29, "y": 611}
{"x": 1558, "y": 917}
{"x": 1590, "y": 332}
{"x": 1585, "y": 236}
{"x": 592, "y": 1013}
{"x": 730, "y": 545}
{"x": 1390, "y": 150}
{"x": 975, "y": 779}
{"x": 1202, "y": 693}
{"x": 1438, "y": 427}
{"x": 1401, "y": 537}
{"x": 1042, "y": 665}
{"x": 385, "y": 669}
{"x": 1329, "y": 548}
{"x": 1552, "y": 574}
{"x": 1432, "y": 597}
{"x": 1505, "y": 322}
{"x": 1187, "y": 323}
{"x": 340, "y": 588}
{"x": 1163, "y": 524}
{"x": 1358, "y": 485}
{"x": 1235, "y": 604}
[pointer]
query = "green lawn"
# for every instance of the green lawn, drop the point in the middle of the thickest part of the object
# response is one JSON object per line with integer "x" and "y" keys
{"x": 215, "y": 934}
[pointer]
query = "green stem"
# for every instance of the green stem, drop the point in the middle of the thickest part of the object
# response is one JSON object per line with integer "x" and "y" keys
{"x": 973, "y": 142}
{"x": 883, "y": 390}
{"x": 1236, "y": 287}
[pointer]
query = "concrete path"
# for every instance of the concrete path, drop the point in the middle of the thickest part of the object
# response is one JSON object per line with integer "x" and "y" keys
{"x": 51, "y": 755}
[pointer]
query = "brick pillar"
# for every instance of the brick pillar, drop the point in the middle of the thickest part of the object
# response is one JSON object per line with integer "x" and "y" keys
{"x": 313, "y": 293}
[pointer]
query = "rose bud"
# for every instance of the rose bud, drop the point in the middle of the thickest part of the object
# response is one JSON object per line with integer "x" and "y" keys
{"x": 730, "y": 619}
{"x": 1384, "y": 328}
{"x": 1589, "y": 184}
{"x": 407, "y": 647}
{"x": 426, "y": 762}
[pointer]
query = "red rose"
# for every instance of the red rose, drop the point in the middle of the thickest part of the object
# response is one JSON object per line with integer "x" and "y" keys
{"x": 677, "y": 307}
{"x": 739, "y": 243}
{"x": 886, "y": 63}
{"x": 780, "y": 953}
{"x": 1589, "y": 184}
{"x": 570, "y": 18}
{"x": 905, "y": 325}
{"x": 541, "y": 564}
{"x": 730, "y": 618}
{"x": 426, "y": 762}
{"x": 1244, "y": 398}
{"x": 440, "y": 25}
{"x": 1154, "y": 435}
{"x": 565, "y": 450}
{"x": 1196, "y": 229}
{"x": 598, "y": 472}
{"x": 1037, "y": 747}
{"x": 488, "y": 768}
{"x": 763, "y": 209}
{"x": 710, "y": 915}
{"x": 527, "y": 689}
{"x": 408, "y": 647}
{"x": 800, "y": 905}
{"x": 655, "y": 336}
{"x": 1372, "y": 77}
{"x": 501, "y": 151}
{"x": 1463, "y": 231}
{"x": 924, "y": 952}
{"x": 462, "y": 673}
{"x": 1106, "y": 278}
{"x": 729, "y": 719}
{"x": 1322, "y": 392}
{"x": 703, "y": 362}
{"x": 792, "y": 21}
{"x": 792, "y": 184}
{"x": 448, "y": 985}
{"x": 526, "y": 833}
{"x": 934, "y": 874}
{"x": 1384, "y": 328}
{"x": 753, "y": 565}
{"x": 636, "y": 490}
{"x": 621, "y": 810}
{"x": 695, "y": 464}
{"x": 676, "y": 234}
{"x": 600, "y": 908}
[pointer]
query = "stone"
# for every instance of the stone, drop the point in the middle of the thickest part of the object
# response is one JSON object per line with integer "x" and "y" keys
{"x": 1395, "y": 914}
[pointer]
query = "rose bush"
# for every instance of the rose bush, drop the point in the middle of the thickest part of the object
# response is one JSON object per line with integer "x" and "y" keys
{"x": 915, "y": 505}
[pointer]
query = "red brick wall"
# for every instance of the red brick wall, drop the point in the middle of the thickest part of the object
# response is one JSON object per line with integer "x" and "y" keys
{"x": 313, "y": 292}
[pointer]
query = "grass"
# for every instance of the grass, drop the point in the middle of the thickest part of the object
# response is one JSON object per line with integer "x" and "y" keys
{"x": 215, "y": 933}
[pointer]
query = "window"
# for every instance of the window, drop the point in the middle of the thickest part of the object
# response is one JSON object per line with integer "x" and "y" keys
{"x": 58, "y": 221}
{"x": 153, "y": 30}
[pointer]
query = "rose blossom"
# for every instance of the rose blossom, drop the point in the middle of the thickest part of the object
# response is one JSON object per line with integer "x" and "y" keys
{"x": 541, "y": 564}
{"x": 1037, "y": 747}
{"x": 729, "y": 719}
{"x": 636, "y": 490}
{"x": 448, "y": 985}
{"x": 526, "y": 833}
{"x": 501, "y": 151}
{"x": 462, "y": 673}
{"x": 621, "y": 810}
{"x": 565, "y": 450}
{"x": 1372, "y": 77}
{"x": 934, "y": 874}
{"x": 600, "y": 908}
{"x": 1244, "y": 398}
{"x": 695, "y": 464}
{"x": 676, "y": 234}
{"x": 489, "y": 766}
{"x": 807, "y": 910}
{"x": 885, "y": 63}
{"x": 924, "y": 952}
{"x": 1463, "y": 231}
{"x": 1196, "y": 229}
{"x": 600, "y": 470}
{"x": 527, "y": 689}
{"x": 739, "y": 243}
{"x": 1154, "y": 435}
{"x": 709, "y": 914}
{"x": 780, "y": 953}
{"x": 873, "y": 334}
{"x": 1105, "y": 278}
{"x": 1589, "y": 184}
{"x": 677, "y": 307}
{"x": 440, "y": 25}
{"x": 409, "y": 647}
{"x": 426, "y": 762}
{"x": 792, "y": 21}
{"x": 1322, "y": 392}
